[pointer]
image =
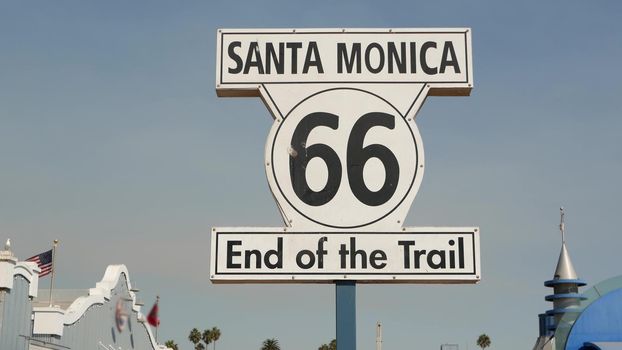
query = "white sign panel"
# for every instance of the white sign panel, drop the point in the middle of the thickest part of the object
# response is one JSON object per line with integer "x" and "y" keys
{"x": 344, "y": 151}
{"x": 345, "y": 165}
{"x": 440, "y": 57}
{"x": 411, "y": 255}
{"x": 344, "y": 158}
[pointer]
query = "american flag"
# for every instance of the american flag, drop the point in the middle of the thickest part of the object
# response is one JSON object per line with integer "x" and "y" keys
{"x": 44, "y": 261}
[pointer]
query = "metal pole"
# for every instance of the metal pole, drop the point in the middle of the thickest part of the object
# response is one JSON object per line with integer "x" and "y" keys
{"x": 53, "y": 268}
{"x": 157, "y": 317}
{"x": 345, "y": 293}
{"x": 378, "y": 336}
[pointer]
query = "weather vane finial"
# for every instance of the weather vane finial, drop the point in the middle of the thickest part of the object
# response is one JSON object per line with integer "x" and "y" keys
{"x": 562, "y": 228}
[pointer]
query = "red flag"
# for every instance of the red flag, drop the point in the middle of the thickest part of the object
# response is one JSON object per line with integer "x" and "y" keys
{"x": 153, "y": 318}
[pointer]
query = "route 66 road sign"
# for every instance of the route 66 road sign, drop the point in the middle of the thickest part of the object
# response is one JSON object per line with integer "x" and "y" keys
{"x": 344, "y": 151}
{"x": 344, "y": 158}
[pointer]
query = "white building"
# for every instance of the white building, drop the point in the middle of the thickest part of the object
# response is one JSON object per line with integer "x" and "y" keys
{"x": 105, "y": 317}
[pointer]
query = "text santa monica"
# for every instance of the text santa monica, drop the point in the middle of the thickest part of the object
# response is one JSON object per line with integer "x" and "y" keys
{"x": 296, "y": 57}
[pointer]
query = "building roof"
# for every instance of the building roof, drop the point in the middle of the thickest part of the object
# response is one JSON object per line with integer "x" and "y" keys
{"x": 604, "y": 345}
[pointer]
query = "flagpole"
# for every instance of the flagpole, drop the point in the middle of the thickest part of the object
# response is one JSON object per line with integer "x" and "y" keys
{"x": 53, "y": 268}
{"x": 158, "y": 321}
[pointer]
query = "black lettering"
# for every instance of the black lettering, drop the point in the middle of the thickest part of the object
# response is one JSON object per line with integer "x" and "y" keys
{"x": 279, "y": 60}
{"x": 320, "y": 252}
{"x": 413, "y": 57}
{"x": 423, "y": 58}
{"x": 316, "y": 61}
{"x": 418, "y": 255}
{"x": 253, "y": 59}
{"x": 441, "y": 263}
{"x": 368, "y": 58}
{"x": 400, "y": 60}
{"x": 452, "y": 255}
{"x": 278, "y": 253}
{"x": 247, "y": 258}
{"x": 406, "y": 245}
{"x": 302, "y": 264}
{"x": 231, "y": 254}
{"x": 377, "y": 256}
{"x": 343, "y": 253}
{"x": 354, "y": 253}
{"x": 234, "y": 56}
{"x": 461, "y": 252}
{"x": 294, "y": 55}
{"x": 448, "y": 50}
{"x": 342, "y": 55}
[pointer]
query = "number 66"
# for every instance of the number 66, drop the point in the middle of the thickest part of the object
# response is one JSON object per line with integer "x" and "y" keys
{"x": 357, "y": 156}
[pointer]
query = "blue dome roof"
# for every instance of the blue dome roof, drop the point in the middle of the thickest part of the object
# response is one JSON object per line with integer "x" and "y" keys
{"x": 597, "y": 320}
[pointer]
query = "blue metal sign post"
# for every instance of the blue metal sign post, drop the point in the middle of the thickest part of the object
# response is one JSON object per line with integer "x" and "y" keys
{"x": 345, "y": 300}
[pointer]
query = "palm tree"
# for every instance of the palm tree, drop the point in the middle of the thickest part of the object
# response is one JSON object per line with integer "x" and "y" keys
{"x": 483, "y": 341}
{"x": 270, "y": 344}
{"x": 330, "y": 346}
{"x": 195, "y": 338}
{"x": 207, "y": 336}
{"x": 215, "y": 333}
{"x": 171, "y": 345}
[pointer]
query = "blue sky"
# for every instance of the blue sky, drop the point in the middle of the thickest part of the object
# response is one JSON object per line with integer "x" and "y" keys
{"x": 112, "y": 139}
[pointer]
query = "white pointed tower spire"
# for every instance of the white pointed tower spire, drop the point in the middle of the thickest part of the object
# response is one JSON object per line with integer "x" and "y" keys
{"x": 564, "y": 270}
{"x": 565, "y": 283}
